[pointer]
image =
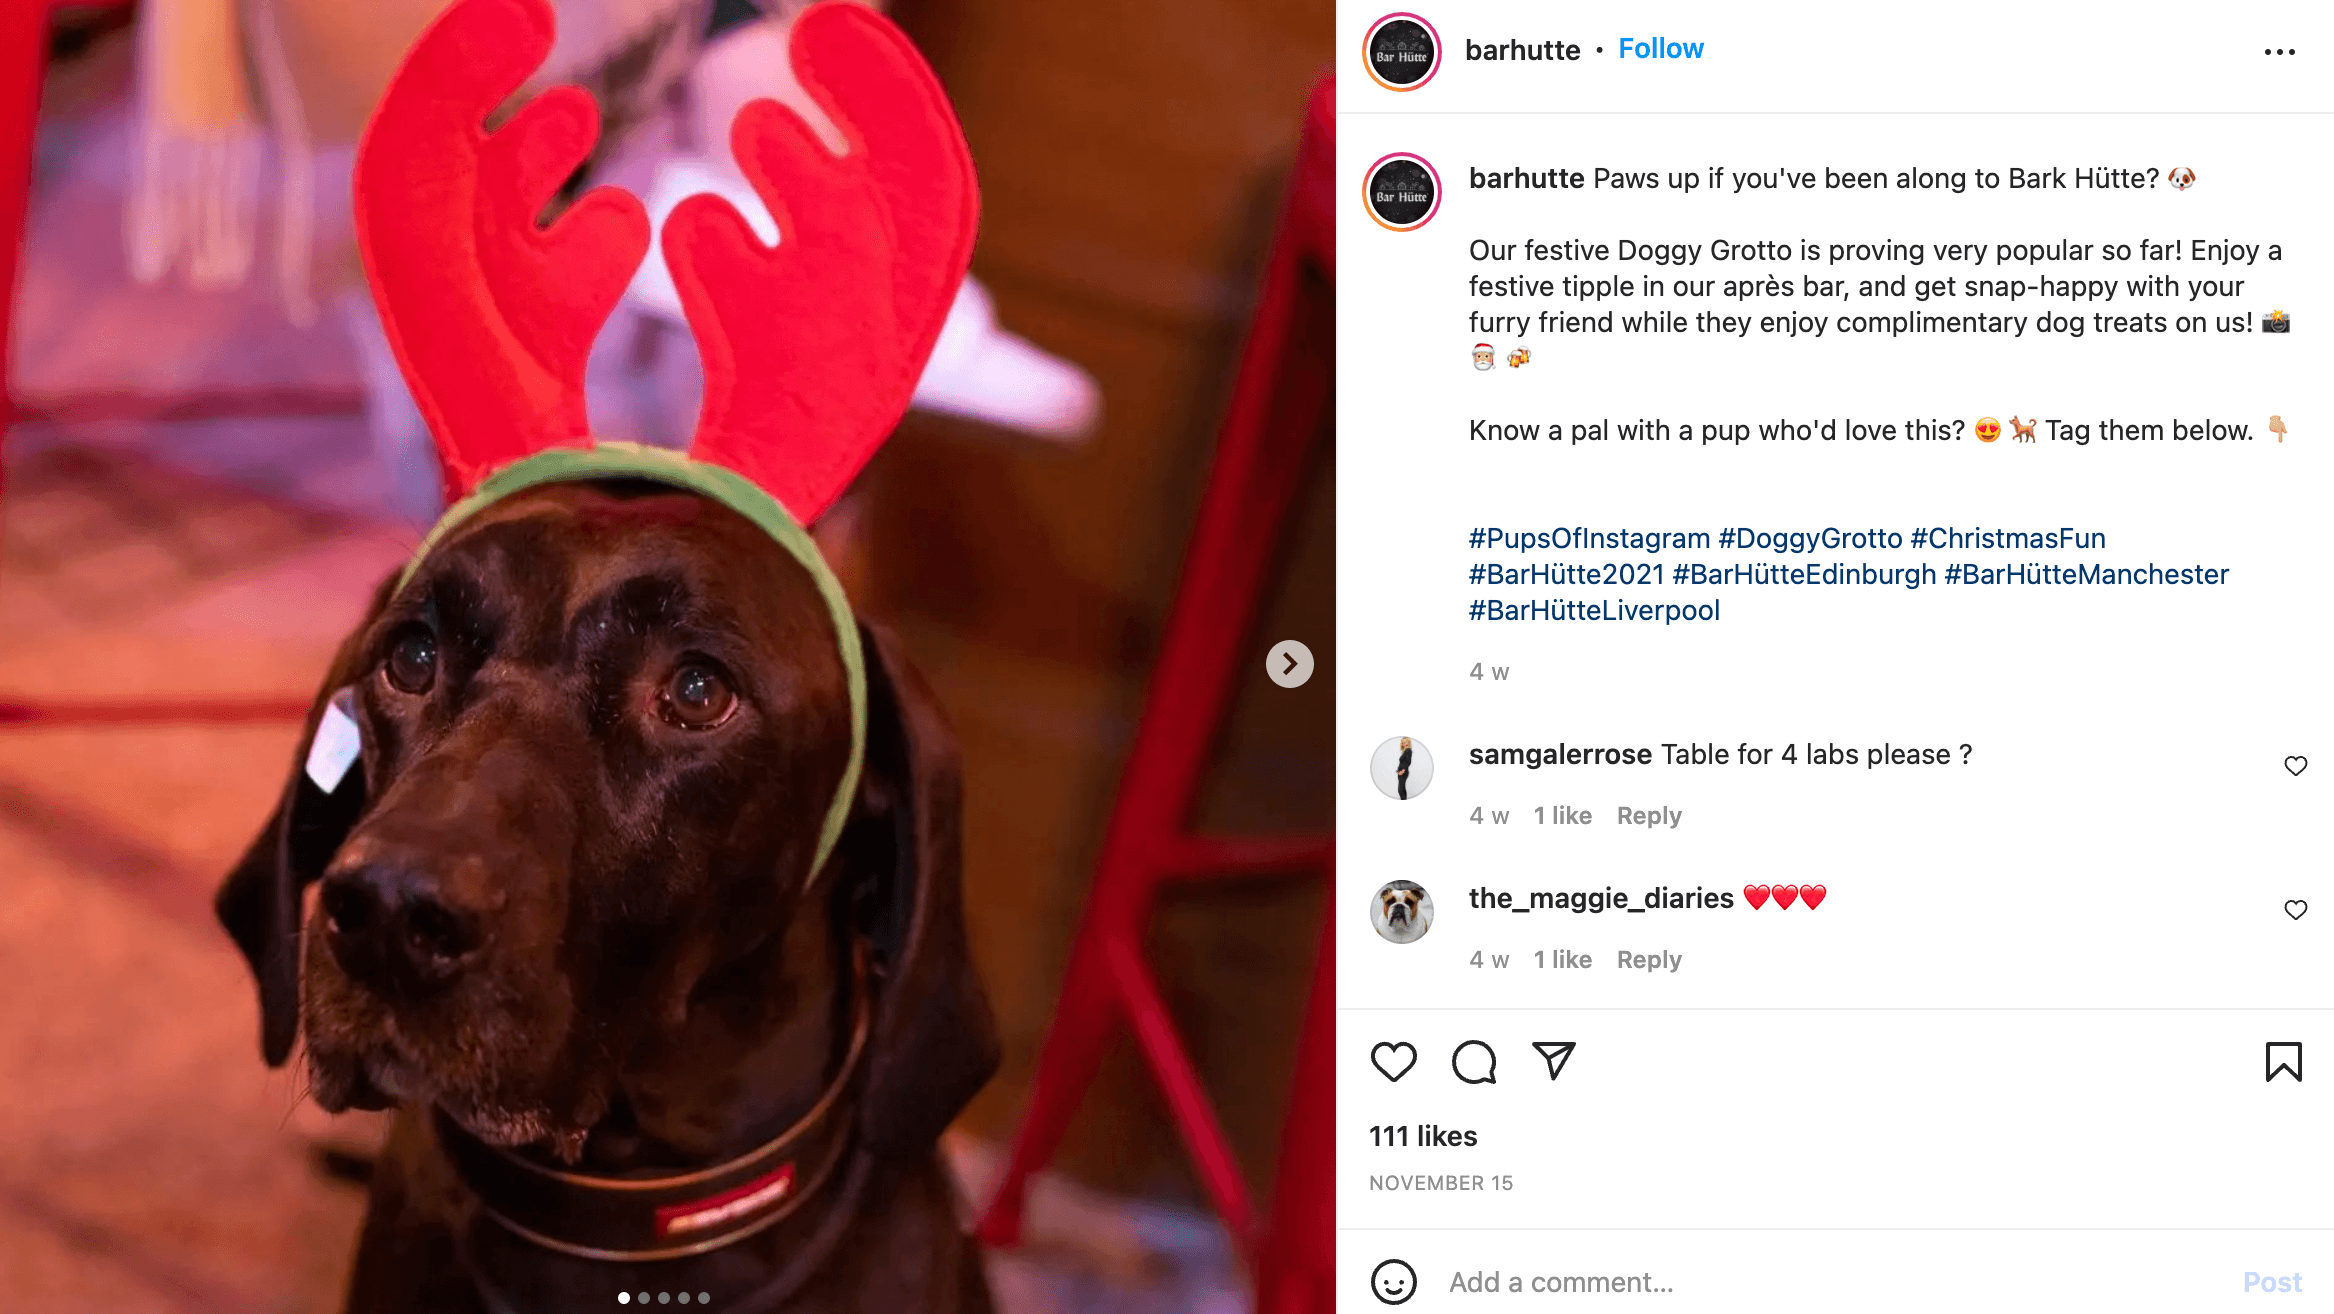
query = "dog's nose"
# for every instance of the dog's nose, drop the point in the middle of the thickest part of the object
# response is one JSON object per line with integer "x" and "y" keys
{"x": 388, "y": 929}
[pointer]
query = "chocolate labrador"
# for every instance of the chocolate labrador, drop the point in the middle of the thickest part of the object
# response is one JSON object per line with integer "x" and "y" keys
{"x": 564, "y": 920}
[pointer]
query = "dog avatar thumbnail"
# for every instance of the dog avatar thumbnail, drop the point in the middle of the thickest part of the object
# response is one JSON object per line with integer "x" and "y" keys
{"x": 1402, "y": 911}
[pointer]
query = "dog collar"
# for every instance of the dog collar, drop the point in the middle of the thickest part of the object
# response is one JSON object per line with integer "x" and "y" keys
{"x": 614, "y": 460}
{"x": 648, "y": 1217}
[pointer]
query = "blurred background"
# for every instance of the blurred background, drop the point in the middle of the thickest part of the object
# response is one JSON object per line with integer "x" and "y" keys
{"x": 205, "y": 475}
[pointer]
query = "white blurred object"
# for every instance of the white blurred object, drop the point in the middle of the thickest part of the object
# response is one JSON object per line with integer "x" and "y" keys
{"x": 982, "y": 372}
{"x": 752, "y": 63}
{"x": 978, "y": 370}
{"x": 401, "y": 437}
{"x": 676, "y": 181}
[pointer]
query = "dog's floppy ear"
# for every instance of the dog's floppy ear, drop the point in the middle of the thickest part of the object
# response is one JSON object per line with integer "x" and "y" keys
{"x": 259, "y": 903}
{"x": 934, "y": 1043}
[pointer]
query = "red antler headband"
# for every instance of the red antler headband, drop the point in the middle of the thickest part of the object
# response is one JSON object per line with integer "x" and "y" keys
{"x": 811, "y": 348}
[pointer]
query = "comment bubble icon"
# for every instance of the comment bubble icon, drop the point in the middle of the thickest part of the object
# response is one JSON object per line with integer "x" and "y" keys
{"x": 1475, "y": 1063}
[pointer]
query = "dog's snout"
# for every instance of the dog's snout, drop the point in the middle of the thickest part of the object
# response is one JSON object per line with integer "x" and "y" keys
{"x": 390, "y": 928}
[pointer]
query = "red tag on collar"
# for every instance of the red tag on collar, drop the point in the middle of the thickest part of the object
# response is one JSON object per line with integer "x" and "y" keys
{"x": 736, "y": 1203}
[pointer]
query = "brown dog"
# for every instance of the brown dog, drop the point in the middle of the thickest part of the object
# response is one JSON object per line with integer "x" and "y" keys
{"x": 565, "y": 921}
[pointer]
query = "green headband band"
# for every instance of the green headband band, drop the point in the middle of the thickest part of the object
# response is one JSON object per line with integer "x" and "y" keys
{"x": 739, "y": 494}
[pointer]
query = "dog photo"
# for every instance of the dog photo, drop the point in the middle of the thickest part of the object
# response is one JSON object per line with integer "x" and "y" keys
{"x": 633, "y": 850}
{"x": 1401, "y": 911}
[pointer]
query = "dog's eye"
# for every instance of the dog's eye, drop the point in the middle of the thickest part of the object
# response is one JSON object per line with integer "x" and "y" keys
{"x": 697, "y": 698}
{"x": 413, "y": 661}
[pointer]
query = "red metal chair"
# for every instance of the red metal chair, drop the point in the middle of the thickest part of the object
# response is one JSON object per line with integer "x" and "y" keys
{"x": 24, "y": 59}
{"x": 24, "y": 52}
{"x": 1279, "y": 399}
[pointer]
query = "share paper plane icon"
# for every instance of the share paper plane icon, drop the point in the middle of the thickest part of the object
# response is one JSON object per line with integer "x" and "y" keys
{"x": 1557, "y": 1052}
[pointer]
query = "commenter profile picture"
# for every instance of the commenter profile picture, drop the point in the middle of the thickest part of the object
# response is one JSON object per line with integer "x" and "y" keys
{"x": 1402, "y": 768}
{"x": 1403, "y": 191}
{"x": 1402, "y": 911}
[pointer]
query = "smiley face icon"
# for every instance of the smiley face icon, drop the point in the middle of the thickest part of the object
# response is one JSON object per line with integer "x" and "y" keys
{"x": 1988, "y": 429}
{"x": 1393, "y": 1282}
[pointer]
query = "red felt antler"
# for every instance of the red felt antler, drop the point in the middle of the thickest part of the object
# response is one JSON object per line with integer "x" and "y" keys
{"x": 813, "y": 348}
{"x": 491, "y": 316}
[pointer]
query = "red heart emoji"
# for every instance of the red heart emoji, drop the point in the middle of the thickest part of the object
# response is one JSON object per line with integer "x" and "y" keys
{"x": 1813, "y": 894}
{"x": 1784, "y": 894}
{"x": 1757, "y": 894}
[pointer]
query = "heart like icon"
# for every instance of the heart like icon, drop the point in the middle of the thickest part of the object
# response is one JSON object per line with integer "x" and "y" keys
{"x": 1813, "y": 894}
{"x": 2297, "y": 764}
{"x": 1756, "y": 894}
{"x": 2294, "y": 908}
{"x": 1784, "y": 894}
{"x": 1393, "y": 1059}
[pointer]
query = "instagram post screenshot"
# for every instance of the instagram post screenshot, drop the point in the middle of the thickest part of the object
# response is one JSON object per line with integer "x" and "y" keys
{"x": 1822, "y": 499}
{"x": 1052, "y": 657}
{"x": 633, "y": 656}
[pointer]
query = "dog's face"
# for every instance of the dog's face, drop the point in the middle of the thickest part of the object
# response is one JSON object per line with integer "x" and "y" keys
{"x": 1402, "y": 912}
{"x": 601, "y": 731}
{"x": 602, "y": 726}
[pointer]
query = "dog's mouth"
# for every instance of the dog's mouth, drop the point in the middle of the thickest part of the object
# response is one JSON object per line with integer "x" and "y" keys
{"x": 384, "y": 1078}
{"x": 341, "y": 1082}
{"x": 1398, "y": 914}
{"x": 372, "y": 1078}
{"x": 492, "y": 1060}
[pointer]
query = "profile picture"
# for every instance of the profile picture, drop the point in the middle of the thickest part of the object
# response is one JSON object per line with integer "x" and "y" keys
{"x": 1402, "y": 768}
{"x": 1403, "y": 191}
{"x": 1401, "y": 911}
{"x": 1402, "y": 52}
